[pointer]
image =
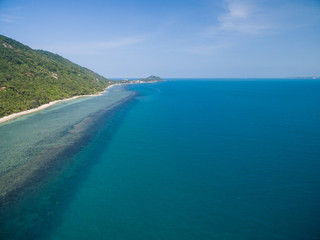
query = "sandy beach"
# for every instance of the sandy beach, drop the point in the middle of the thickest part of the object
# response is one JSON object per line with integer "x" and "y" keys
{"x": 44, "y": 106}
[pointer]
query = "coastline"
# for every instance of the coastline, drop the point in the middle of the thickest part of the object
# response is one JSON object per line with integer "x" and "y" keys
{"x": 47, "y": 105}
{"x": 21, "y": 167}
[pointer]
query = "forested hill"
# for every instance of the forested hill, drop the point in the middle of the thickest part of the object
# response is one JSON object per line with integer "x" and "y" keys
{"x": 30, "y": 78}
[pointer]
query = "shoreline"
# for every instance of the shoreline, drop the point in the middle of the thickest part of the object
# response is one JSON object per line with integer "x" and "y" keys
{"x": 15, "y": 179}
{"x": 47, "y": 105}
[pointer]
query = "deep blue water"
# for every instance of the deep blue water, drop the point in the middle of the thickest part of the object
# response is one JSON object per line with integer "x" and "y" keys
{"x": 189, "y": 159}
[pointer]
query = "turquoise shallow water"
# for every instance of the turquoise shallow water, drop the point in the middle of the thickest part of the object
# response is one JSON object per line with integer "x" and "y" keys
{"x": 187, "y": 159}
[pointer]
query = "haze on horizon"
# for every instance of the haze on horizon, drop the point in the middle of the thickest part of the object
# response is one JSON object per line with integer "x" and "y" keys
{"x": 189, "y": 38}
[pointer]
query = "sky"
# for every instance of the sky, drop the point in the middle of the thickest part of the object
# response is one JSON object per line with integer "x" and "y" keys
{"x": 173, "y": 38}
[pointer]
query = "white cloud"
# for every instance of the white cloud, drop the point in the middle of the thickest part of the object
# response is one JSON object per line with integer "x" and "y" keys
{"x": 95, "y": 47}
{"x": 10, "y": 15}
{"x": 114, "y": 43}
{"x": 242, "y": 16}
{"x": 205, "y": 49}
{"x": 263, "y": 17}
{"x": 237, "y": 10}
{"x": 8, "y": 18}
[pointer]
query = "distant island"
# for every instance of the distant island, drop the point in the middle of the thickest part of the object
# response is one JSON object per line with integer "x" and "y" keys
{"x": 31, "y": 78}
{"x": 149, "y": 79}
{"x": 313, "y": 77}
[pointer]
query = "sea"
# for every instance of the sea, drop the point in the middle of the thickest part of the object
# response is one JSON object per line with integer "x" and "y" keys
{"x": 198, "y": 159}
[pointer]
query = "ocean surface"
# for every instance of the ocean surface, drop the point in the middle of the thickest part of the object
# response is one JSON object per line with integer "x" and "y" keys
{"x": 225, "y": 159}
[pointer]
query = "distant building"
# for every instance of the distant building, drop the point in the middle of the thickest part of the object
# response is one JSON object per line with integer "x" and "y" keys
{"x": 54, "y": 75}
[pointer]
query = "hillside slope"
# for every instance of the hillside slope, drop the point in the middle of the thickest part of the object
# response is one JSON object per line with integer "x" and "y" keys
{"x": 30, "y": 78}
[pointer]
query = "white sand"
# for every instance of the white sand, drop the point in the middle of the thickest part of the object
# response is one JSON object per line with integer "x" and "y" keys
{"x": 14, "y": 115}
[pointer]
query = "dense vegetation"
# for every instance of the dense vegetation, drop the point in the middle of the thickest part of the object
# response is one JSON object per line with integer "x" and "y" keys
{"x": 30, "y": 78}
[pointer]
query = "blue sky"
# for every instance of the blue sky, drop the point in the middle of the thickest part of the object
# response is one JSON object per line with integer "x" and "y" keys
{"x": 189, "y": 38}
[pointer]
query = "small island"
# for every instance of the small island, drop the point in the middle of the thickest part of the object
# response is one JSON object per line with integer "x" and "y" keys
{"x": 150, "y": 79}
